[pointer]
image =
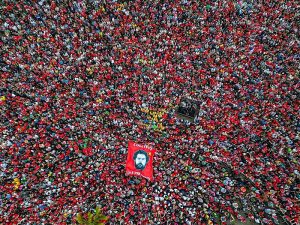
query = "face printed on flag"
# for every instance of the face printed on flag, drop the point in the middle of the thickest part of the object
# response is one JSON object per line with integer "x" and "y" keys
{"x": 139, "y": 160}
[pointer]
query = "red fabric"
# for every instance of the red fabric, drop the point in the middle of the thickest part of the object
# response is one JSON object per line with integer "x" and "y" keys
{"x": 131, "y": 169}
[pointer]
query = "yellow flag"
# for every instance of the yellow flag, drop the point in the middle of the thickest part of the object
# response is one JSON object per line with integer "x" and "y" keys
{"x": 2, "y": 98}
{"x": 17, "y": 183}
{"x": 17, "y": 180}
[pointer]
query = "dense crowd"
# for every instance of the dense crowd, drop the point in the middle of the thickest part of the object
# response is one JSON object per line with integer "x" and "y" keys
{"x": 77, "y": 81}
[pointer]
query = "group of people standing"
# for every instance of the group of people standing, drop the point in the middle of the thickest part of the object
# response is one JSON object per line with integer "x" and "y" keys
{"x": 76, "y": 77}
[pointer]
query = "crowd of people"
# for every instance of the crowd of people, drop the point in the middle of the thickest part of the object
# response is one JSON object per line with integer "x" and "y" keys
{"x": 77, "y": 78}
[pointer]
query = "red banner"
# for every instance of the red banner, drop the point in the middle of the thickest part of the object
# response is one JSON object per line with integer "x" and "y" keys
{"x": 139, "y": 160}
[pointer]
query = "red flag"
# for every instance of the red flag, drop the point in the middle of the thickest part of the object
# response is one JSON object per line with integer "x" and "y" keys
{"x": 139, "y": 160}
